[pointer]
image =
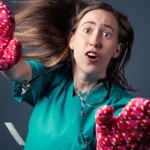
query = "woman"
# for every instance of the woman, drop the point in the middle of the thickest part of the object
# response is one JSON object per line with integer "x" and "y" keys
{"x": 87, "y": 46}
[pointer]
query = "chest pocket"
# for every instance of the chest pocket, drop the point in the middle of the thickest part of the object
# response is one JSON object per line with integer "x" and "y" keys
{"x": 87, "y": 142}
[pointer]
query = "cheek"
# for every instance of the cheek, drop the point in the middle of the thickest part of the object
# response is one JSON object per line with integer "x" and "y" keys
{"x": 110, "y": 48}
{"x": 80, "y": 46}
{"x": 107, "y": 54}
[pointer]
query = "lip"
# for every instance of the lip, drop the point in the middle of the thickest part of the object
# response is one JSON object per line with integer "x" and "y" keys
{"x": 92, "y": 59}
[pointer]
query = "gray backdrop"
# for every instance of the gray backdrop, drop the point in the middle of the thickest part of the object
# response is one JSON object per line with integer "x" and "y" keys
{"x": 137, "y": 72}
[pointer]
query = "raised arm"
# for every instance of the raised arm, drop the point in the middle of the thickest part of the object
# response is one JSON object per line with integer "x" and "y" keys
{"x": 11, "y": 64}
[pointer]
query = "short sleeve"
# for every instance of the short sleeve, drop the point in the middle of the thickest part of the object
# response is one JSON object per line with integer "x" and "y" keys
{"x": 36, "y": 89}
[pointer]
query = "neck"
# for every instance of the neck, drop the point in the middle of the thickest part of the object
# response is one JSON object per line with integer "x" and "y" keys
{"x": 84, "y": 82}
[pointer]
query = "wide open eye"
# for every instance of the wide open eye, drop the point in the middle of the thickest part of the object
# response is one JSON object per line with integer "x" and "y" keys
{"x": 106, "y": 34}
{"x": 87, "y": 30}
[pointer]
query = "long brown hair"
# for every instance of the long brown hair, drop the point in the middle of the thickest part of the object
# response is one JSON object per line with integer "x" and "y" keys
{"x": 43, "y": 27}
{"x": 116, "y": 69}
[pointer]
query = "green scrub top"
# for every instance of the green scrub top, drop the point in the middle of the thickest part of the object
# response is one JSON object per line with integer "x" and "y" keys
{"x": 56, "y": 122}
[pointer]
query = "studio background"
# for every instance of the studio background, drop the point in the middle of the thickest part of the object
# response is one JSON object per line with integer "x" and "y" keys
{"x": 137, "y": 71}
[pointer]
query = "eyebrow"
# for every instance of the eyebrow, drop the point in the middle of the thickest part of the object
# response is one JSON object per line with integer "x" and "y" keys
{"x": 109, "y": 26}
{"x": 105, "y": 25}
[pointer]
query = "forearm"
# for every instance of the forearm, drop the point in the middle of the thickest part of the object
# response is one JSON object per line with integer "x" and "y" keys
{"x": 19, "y": 72}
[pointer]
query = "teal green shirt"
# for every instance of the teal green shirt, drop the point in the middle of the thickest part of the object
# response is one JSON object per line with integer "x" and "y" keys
{"x": 56, "y": 122}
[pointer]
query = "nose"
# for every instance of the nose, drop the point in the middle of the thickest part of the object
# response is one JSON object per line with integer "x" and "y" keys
{"x": 95, "y": 41}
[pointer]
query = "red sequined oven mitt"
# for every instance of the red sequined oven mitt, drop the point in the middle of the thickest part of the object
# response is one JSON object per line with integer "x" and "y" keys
{"x": 130, "y": 130}
{"x": 10, "y": 49}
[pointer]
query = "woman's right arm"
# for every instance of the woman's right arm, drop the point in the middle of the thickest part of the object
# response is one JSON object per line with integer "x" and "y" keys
{"x": 19, "y": 72}
{"x": 11, "y": 64}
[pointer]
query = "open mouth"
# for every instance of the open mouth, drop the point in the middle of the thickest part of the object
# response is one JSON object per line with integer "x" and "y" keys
{"x": 92, "y": 56}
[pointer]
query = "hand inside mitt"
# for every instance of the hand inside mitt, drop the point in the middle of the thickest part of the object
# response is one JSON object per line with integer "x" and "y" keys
{"x": 129, "y": 131}
{"x": 10, "y": 49}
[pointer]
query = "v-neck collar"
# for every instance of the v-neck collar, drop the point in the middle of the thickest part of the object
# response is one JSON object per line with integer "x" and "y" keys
{"x": 95, "y": 90}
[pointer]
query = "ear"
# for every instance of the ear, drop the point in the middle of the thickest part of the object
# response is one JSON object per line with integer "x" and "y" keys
{"x": 118, "y": 50}
{"x": 71, "y": 41}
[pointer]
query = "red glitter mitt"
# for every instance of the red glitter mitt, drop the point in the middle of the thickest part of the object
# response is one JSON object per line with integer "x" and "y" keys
{"x": 10, "y": 49}
{"x": 130, "y": 130}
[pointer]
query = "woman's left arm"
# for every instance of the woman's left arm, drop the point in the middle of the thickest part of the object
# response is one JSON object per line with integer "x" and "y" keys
{"x": 129, "y": 130}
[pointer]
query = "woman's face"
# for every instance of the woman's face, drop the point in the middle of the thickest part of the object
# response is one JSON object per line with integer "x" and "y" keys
{"x": 95, "y": 42}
